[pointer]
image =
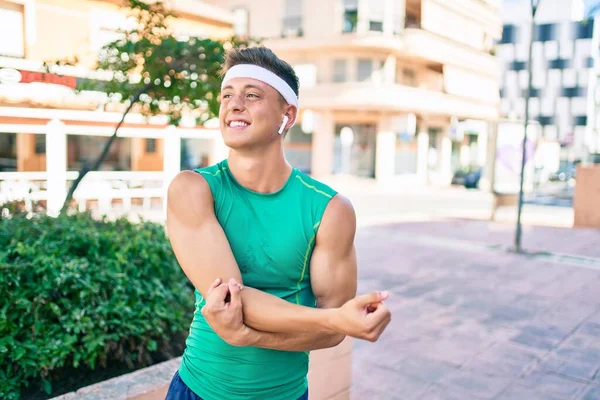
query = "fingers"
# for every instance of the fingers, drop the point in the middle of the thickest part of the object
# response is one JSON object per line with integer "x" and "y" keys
{"x": 370, "y": 298}
{"x": 235, "y": 289}
{"x": 213, "y": 285}
{"x": 378, "y": 321}
{"x": 217, "y": 295}
{"x": 380, "y": 313}
{"x": 371, "y": 308}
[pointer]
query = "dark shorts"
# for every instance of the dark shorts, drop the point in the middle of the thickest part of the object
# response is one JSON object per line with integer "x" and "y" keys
{"x": 179, "y": 391}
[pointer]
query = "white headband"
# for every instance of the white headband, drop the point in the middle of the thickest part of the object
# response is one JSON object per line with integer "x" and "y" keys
{"x": 263, "y": 75}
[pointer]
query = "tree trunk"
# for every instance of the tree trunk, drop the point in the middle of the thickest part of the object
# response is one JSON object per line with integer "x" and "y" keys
{"x": 87, "y": 168}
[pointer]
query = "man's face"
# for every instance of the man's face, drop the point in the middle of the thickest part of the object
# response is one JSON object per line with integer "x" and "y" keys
{"x": 250, "y": 114}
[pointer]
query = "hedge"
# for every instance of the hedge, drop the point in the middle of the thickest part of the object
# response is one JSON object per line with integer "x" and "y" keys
{"x": 78, "y": 294}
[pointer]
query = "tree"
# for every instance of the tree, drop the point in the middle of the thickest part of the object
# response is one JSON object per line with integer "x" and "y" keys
{"x": 519, "y": 231}
{"x": 155, "y": 72}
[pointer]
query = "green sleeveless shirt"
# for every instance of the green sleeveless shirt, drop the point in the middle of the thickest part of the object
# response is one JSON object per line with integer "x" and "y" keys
{"x": 272, "y": 237}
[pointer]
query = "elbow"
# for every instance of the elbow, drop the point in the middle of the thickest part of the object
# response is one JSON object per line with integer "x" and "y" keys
{"x": 336, "y": 340}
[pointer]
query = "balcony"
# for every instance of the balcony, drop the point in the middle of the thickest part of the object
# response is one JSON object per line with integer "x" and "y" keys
{"x": 394, "y": 98}
{"x": 413, "y": 43}
{"x": 429, "y": 46}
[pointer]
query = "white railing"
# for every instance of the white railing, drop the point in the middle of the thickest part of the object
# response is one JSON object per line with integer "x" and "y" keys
{"x": 107, "y": 191}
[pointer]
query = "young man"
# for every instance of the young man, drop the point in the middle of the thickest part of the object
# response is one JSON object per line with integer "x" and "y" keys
{"x": 269, "y": 249}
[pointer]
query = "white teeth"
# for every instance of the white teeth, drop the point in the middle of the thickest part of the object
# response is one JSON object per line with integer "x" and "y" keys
{"x": 238, "y": 123}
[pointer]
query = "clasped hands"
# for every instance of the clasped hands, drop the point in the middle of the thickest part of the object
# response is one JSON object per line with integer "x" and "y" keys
{"x": 364, "y": 317}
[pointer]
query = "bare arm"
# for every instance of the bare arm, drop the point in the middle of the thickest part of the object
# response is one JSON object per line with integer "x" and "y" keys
{"x": 204, "y": 254}
{"x": 333, "y": 274}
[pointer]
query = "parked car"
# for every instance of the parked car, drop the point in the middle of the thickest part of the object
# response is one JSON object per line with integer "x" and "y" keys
{"x": 467, "y": 177}
{"x": 564, "y": 174}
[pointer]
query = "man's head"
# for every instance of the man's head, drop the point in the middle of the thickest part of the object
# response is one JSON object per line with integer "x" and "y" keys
{"x": 259, "y": 92}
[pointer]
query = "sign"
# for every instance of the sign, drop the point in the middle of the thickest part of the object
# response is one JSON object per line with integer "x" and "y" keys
{"x": 10, "y": 75}
{"x": 509, "y": 154}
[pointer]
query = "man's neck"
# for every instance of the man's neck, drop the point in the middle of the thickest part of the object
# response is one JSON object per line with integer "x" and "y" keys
{"x": 264, "y": 171}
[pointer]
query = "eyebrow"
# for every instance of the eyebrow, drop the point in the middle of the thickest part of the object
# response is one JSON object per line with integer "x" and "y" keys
{"x": 245, "y": 87}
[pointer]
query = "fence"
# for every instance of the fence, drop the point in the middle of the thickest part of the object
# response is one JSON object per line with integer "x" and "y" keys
{"x": 105, "y": 192}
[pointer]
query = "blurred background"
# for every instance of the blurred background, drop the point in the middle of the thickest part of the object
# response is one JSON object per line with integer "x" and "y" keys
{"x": 415, "y": 109}
{"x": 399, "y": 92}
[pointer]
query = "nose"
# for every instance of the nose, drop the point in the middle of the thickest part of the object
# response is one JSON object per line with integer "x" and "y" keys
{"x": 236, "y": 103}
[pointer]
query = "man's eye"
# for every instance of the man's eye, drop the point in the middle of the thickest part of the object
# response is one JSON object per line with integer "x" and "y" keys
{"x": 225, "y": 96}
{"x": 253, "y": 95}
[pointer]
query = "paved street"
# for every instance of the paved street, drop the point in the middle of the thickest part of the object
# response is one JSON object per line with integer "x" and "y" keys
{"x": 471, "y": 321}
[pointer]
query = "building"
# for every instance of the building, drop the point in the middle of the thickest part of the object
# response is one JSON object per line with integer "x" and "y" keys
{"x": 47, "y": 130}
{"x": 565, "y": 51}
{"x": 389, "y": 89}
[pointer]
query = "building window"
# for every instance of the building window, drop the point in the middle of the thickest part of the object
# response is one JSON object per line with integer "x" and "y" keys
{"x": 376, "y": 15}
{"x": 409, "y": 77}
{"x": 545, "y": 120}
{"x": 365, "y": 69}
{"x": 85, "y": 149}
{"x": 583, "y": 29}
{"x": 339, "y": 71}
{"x": 589, "y": 62}
{"x": 575, "y": 91}
{"x": 40, "y": 144}
{"x": 240, "y": 22}
{"x": 517, "y": 66}
{"x": 559, "y": 63}
{"x": 375, "y": 26}
{"x": 350, "y": 16}
{"x": 502, "y": 92}
{"x": 8, "y": 152}
{"x": 580, "y": 120}
{"x": 150, "y": 145}
{"x": 545, "y": 32}
{"x": 535, "y": 92}
{"x": 509, "y": 34}
{"x": 12, "y": 30}
{"x": 292, "y": 18}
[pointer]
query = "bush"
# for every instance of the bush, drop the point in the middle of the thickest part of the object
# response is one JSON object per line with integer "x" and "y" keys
{"x": 78, "y": 293}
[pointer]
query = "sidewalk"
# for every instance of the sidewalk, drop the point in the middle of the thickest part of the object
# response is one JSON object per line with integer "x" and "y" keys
{"x": 471, "y": 321}
{"x": 400, "y": 201}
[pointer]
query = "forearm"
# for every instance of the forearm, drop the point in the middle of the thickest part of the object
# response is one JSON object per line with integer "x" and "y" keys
{"x": 267, "y": 313}
{"x": 304, "y": 341}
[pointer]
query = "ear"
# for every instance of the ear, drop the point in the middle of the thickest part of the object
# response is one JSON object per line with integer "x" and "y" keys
{"x": 289, "y": 119}
{"x": 283, "y": 124}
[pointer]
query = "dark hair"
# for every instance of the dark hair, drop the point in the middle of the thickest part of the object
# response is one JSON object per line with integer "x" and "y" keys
{"x": 263, "y": 57}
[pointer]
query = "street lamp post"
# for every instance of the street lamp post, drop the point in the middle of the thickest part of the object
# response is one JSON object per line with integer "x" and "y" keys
{"x": 534, "y": 7}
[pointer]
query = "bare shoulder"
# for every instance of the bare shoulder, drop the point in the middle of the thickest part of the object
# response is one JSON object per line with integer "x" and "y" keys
{"x": 339, "y": 220}
{"x": 339, "y": 208}
{"x": 189, "y": 195}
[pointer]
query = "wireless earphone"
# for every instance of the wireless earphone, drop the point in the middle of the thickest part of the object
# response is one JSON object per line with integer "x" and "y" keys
{"x": 283, "y": 124}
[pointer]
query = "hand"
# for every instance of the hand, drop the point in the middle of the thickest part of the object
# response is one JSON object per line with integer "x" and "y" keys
{"x": 223, "y": 312}
{"x": 364, "y": 317}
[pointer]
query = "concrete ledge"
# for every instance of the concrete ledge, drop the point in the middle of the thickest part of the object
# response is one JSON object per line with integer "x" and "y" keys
{"x": 329, "y": 378}
{"x": 145, "y": 384}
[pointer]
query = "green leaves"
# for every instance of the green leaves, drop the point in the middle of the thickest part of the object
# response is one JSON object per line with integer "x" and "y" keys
{"x": 183, "y": 71}
{"x": 80, "y": 293}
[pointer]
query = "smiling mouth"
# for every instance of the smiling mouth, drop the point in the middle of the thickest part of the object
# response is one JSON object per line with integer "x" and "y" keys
{"x": 238, "y": 124}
